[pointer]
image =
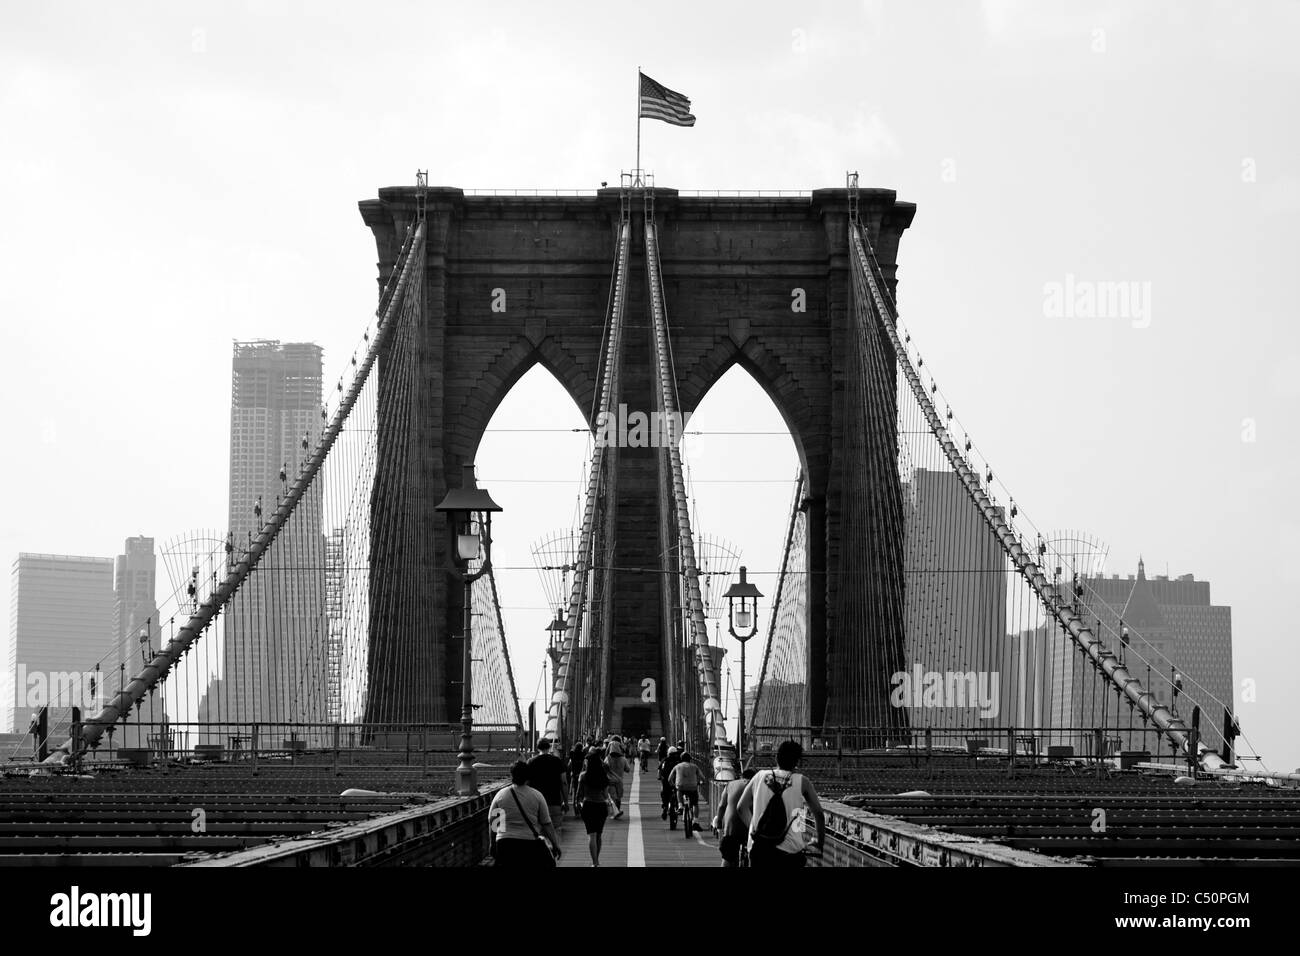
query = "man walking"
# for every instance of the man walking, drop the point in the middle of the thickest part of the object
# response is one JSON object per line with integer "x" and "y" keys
{"x": 577, "y": 757}
{"x": 731, "y": 821}
{"x": 546, "y": 773}
{"x": 778, "y": 803}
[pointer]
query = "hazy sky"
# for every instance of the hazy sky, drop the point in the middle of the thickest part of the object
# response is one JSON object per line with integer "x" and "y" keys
{"x": 177, "y": 175}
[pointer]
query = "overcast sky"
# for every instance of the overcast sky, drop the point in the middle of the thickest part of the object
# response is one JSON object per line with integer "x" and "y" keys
{"x": 177, "y": 175}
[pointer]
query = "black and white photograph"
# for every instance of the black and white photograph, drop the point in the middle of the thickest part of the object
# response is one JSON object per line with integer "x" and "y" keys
{"x": 442, "y": 438}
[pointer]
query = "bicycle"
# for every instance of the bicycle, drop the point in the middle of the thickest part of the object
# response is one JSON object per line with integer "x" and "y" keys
{"x": 688, "y": 813}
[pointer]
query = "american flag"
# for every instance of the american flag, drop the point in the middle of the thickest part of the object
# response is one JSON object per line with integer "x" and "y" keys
{"x": 659, "y": 102}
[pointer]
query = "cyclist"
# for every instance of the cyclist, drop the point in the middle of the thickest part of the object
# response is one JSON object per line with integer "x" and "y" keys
{"x": 667, "y": 792}
{"x": 643, "y": 750}
{"x": 687, "y": 779}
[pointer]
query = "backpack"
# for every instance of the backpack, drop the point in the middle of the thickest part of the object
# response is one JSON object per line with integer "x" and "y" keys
{"x": 772, "y": 826}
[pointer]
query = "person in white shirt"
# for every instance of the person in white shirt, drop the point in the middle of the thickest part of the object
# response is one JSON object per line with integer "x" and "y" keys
{"x": 687, "y": 777}
{"x": 617, "y": 765}
{"x": 643, "y": 750}
{"x": 778, "y": 838}
{"x": 517, "y": 817}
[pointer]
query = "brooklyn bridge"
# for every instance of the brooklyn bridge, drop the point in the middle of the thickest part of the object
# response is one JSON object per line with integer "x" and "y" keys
{"x": 964, "y": 693}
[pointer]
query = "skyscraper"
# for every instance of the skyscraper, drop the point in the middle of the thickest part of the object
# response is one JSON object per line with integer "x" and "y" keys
{"x": 1173, "y": 626}
{"x": 61, "y": 626}
{"x": 137, "y": 632}
{"x": 275, "y": 660}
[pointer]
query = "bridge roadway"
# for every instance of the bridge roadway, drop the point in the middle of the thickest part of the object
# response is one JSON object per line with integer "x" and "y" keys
{"x": 640, "y": 837}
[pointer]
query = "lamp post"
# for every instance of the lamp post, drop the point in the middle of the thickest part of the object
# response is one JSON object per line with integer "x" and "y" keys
{"x": 554, "y": 637}
{"x": 742, "y": 621}
{"x": 469, "y": 516}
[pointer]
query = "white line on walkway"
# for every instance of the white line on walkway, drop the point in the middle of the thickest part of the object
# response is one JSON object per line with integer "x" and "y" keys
{"x": 635, "y": 843}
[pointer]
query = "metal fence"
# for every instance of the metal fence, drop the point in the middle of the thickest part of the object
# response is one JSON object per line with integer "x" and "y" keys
{"x": 297, "y": 744}
{"x": 1020, "y": 745}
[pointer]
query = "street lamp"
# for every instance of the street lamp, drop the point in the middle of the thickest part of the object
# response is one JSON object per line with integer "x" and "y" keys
{"x": 742, "y": 620}
{"x": 555, "y": 632}
{"x": 469, "y": 517}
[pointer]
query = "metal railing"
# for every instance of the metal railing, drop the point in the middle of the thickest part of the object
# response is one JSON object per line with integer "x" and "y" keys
{"x": 743, "y": 193}
{"x": 450, "y": 833}
{"x": 647, "y": 182}
{"x": 559, "y": 193}
{"x": 1122, "y": 747}
{"x": 269, "y": 744}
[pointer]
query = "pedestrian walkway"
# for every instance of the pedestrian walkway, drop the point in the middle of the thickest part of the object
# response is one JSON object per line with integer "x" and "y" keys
{"x": 640, "y": 837}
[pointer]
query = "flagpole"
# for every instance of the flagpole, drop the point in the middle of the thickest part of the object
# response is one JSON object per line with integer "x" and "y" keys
{"x": 636, "y": 177}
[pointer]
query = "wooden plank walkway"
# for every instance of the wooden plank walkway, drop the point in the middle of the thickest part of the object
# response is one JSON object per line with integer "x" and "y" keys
{"x": 640, "y": 837}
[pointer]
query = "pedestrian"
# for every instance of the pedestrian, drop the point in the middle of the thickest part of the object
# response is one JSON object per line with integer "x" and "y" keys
{"x": 546, "y": 773}
{"x": 731, "y": 821}
{"x": 515, "y": 817}
{"x": 577, "y": 757}
{"x": 617, "y": 766}
{"x": 592, "y": 787}
{"x": 778, "y": 803}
